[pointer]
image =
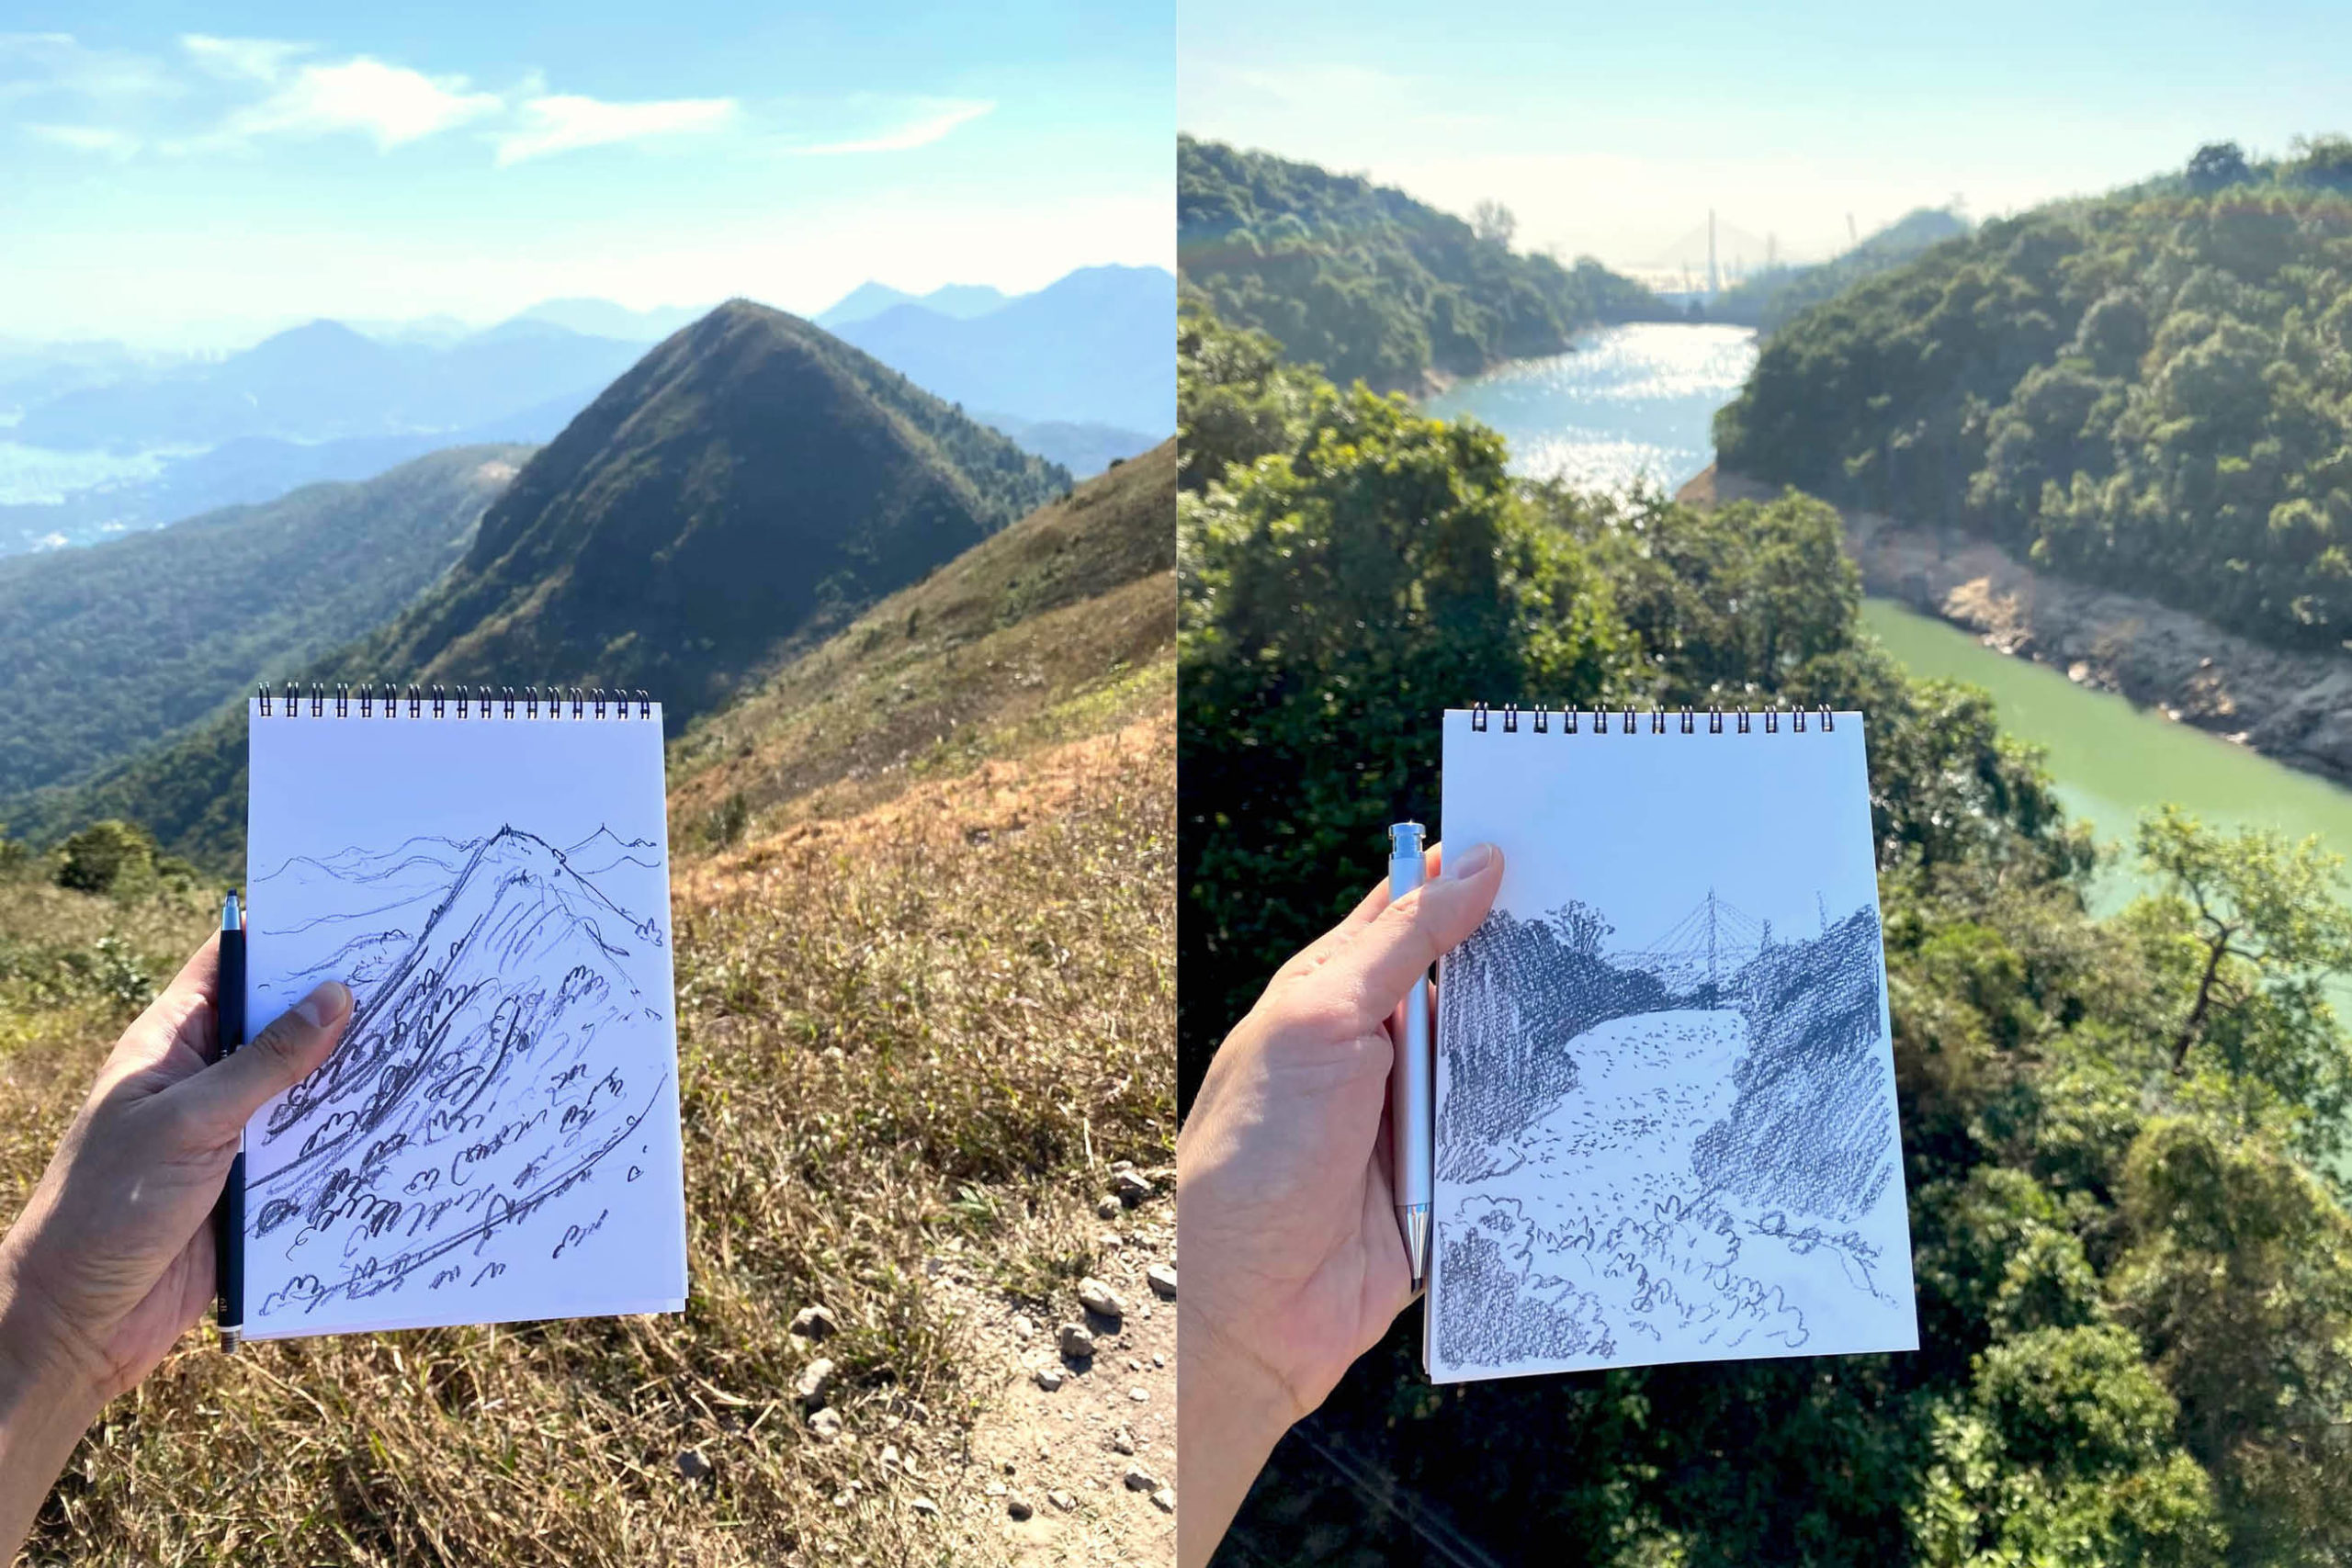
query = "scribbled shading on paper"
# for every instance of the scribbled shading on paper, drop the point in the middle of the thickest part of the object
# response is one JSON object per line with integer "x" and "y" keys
{"x": 1685, "y": 1149}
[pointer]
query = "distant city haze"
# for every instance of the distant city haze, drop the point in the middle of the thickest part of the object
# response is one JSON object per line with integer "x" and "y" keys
{"x": 1610, "y": 132}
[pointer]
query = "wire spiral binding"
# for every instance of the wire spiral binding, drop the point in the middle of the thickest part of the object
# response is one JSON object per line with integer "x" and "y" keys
{"x": 471, "y": 701}
{"x": 1686, "y": 719}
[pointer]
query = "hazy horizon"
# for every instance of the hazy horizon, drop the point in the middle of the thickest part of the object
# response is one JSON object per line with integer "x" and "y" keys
{"x": 229, "y": 340}
{"x": 1611, "y": 135}
{"x": 199, "y": 182}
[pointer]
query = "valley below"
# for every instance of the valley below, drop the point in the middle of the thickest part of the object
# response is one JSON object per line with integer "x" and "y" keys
{"x": 2132, "y": 702}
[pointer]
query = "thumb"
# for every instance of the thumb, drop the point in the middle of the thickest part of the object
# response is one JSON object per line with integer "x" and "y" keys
{"x": 215, "y": 1104}
{"x": 1399, "y": 945}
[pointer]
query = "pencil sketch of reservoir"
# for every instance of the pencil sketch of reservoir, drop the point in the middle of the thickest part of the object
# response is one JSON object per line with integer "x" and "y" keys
{"x": 485, "y": 1105}
{"x": 1686, "y": 1151}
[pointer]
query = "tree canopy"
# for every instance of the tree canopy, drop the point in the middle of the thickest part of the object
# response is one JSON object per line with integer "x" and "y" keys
{"x": 2150, "y": 391}
{"x": 1369, "y": 284}
{"x": 2133, "y": 1264}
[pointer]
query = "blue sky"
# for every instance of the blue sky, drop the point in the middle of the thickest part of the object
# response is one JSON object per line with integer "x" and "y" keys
{"x": 1612, "y": 129}
{"x": 198, "y": 175}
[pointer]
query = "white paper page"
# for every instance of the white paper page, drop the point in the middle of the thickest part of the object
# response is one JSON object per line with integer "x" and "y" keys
{"x": 496, "y": 1137}
{"x": 1665, "y": 1114}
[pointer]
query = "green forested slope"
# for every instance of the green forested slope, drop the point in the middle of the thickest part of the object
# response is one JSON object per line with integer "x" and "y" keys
{"x": 750, "y": 485}
{"x": 110, "y": 648}
{"x": 2151, "y": 390}
{"x": 2134, "y": 1265}
{"x": 1368, "y": 282}
{"x": 749, "y": 480}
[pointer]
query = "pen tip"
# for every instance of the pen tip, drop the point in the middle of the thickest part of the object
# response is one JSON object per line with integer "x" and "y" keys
{"x": 1415, "y": 1220}
{"x": 230, "y": 918}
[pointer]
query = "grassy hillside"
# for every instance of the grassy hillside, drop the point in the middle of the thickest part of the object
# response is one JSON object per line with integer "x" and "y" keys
{"x": 1056, "y": 626}
{"x": 919, "y": 1020}
{"x": 1779, "y": 294}
{"x": 2150, "y": 391}
{"x": 1368, "y": 282}
{"x": 115, "y": 647}
{"x": 750, "y": 485}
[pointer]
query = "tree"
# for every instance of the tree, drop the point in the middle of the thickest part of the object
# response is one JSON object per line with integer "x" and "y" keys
{"x": 2262, "y": 914}
{"x": 104, "y": 856}
{"x": 1493, "y": 222}
{"x": 1334, "y": 598}
{"x": 2238, "y": 1279}
{"x": 1236, "y": 400}
{"x": 2324, "y": 162}
{"x": 2217, "y": 165}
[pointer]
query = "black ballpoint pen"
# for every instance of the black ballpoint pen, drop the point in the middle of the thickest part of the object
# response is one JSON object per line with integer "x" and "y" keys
{"x": 229, "y": 1213}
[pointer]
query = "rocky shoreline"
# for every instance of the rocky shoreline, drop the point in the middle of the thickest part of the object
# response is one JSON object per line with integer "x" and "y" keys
{"x": 2295, "y": 707}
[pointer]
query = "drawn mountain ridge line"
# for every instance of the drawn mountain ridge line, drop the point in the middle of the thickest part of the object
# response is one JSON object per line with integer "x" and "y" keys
{"x": 462, "y": 1033}
{"x": 365, "y": 858}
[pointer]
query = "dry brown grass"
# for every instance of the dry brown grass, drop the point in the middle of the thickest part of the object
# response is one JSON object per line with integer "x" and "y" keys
{"x": 899, "y": 1049}
{"x": 921, "y": 1009}
{"x": 1060, "y": 627}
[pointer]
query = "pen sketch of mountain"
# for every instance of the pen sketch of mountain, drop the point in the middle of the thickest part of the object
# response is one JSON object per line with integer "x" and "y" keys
{"x": 491, "y": 1068}
{"x": 1661, "y": 1153}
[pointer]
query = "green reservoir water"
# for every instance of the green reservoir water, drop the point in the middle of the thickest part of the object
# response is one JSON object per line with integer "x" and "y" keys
{"x": 1636, "y": 404}
{"x": 2112, "y": 760}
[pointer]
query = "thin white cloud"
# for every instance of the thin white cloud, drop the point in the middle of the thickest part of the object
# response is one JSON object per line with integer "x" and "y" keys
{"x": 245, "y": 91}
{"x": 242, "y": 59}
{"x": 921, "y": 132}
{"x": 97, "y": 139}
{"x": 563, "y": 122}
{"x": 40, "y": 65}
{"x": 391, "y": 103}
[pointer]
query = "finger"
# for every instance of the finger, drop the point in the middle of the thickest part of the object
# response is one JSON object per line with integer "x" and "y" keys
{"x": 219, "y": 1102}
{"x": 1396, "y": 947}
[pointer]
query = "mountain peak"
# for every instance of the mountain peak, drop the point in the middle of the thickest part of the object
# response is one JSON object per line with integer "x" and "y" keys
{"x": 751, "y": 479}
{"x": 512, "y": 846}
{"x": 322, "y": 329}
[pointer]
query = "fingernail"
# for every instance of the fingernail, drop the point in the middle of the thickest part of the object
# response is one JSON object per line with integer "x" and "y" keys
{"x": 328, "y": 1000}
{"x": 1472, "y": 860}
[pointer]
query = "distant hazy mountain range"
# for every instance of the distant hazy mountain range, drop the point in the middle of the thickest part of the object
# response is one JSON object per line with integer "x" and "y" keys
{"x": 961, "y": 300}
{"x": 1773, "y": 295}
{"x": 1078, "y": 372}
{"x": 1092, "y": 349}
{"x": 325, "y": 382}
{"x": 602, "y": 318}
{"x": 251, "y": 470}
{"x": 750, "y": 485}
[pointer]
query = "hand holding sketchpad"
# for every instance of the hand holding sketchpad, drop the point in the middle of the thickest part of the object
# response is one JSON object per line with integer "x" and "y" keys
{"x": 1665, "y": 1123}
{"x": 496, "y": 1137}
